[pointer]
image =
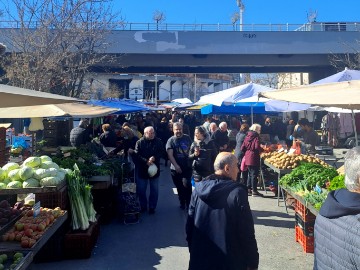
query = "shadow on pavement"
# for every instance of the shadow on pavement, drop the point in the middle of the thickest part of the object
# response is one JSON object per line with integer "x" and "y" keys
{"x": 273, "y": 219}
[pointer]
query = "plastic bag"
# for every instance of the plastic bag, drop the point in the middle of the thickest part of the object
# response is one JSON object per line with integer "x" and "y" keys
{"x": 19, "y": 142}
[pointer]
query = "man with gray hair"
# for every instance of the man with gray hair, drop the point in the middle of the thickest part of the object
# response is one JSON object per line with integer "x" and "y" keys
{"x": 337, "y": 227}
{"x": 220, "y": 137}
{"x": 220, "y": 227}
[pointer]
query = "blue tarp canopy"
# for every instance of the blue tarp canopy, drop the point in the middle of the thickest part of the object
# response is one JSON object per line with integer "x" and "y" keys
{"x": 124, "y": 105}
{"x": 244, "y": 108}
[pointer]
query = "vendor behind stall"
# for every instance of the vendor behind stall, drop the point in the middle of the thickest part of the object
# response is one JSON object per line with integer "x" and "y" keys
{"x": 310, "y": 137}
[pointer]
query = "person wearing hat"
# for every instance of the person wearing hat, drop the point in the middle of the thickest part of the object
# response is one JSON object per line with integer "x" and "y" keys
{"x": 148, "y": 151}
{"x": 80, "y": 135}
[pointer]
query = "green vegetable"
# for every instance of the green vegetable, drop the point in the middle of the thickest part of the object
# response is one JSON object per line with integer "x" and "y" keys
{"x": 14, "y": 175}
{"x": 337, "y": 182}
{"x": 88, "y": 201}
{"x": 2, "y": 185}
{"x": 76, "y": 185}
{"x": 49, "y": 181}
{"x": 2, "y": 174}
{"x": 45, "y": 158}
{"x": 49, "y": 164}
{"x": 10, "y": 166}
{"x": 26, "y": 172}
{"x": 14, "y": 184}
{"x": 31, "y": 182}
{"x": 32, "y": 162}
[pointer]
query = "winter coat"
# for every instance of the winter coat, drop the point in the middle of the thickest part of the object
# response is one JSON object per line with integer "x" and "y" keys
{"x": 337, "y": 227}
{"x": 79, "y": 136}
{"x": 220, "y": 138}
{"x": 108, "y": 138}
{"x": 251, "y": 148}
{"x": 220, "y": 228}
{"x": 203, "y": 165}
{"x": 240, "y": 137}
{"x": 144, "y": 149}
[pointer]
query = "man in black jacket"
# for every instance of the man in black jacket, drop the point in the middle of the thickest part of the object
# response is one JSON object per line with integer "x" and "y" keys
{"x": 337, "y": 227}
{"x": 220, "y": 137}
{"x": 148, "y": 151}
{"x": 220, "y": 228}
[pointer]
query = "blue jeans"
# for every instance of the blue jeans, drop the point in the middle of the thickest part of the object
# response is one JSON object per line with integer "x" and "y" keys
{"x": 141, "y": 188}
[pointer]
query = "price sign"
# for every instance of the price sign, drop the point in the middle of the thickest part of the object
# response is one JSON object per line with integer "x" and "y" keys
{"x": 36, "y": 209}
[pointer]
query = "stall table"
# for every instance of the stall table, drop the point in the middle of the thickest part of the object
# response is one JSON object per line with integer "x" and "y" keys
{"x": 311, "y": 208}
{"x": 280, "y": 172}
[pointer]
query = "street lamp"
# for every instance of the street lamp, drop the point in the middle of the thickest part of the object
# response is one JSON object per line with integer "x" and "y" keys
{"x": 242, "y": 9}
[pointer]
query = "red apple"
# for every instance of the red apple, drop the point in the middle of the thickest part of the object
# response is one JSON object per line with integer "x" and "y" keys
{"x": 41, "y": 227}
{"x": 28, "y": 232}
{"x": 25, "y": 243}
{"x": 11, "y": 236}
{"x": 27, "y": 226}
{"x": 33, "y": 227}
{"x": 31, "y": 242}
{"x": 18, "y": 237}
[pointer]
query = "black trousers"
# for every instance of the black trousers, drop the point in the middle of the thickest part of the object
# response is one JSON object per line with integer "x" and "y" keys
{"x": 183, "y": 186}
{"x": 252, "y": 180}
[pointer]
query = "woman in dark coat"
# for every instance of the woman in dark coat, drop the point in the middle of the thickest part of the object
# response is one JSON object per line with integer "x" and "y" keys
{"x": 251, "y": 148}
{"x": 240, "y": 137}
{"x": 202, "y": 154}
{"x": 108, "y": 137}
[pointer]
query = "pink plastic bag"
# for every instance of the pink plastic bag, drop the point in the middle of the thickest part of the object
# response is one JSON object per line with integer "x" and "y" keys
{"x": 243, "y": 166}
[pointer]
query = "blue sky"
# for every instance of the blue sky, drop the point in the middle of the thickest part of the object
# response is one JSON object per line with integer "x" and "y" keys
{"x": 256, "y": 11}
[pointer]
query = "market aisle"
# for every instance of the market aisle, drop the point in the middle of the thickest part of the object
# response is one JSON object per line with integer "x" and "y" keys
{"x": 158, "y": 241}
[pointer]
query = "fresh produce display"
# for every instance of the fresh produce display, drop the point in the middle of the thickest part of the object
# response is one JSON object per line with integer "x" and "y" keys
{"x": 312, "y": 174}
{"x": 8, "y": 213}
{"x": 10, "y": 260}
{"x": 85, "y": 159}
{"x": 285, "y": 161}
{"x": 34, "y": 172}
{"x": 29, "y": 229}
{"x": 337, "y": 182}
{"x": 310, "y": 181}
{"x": 82, "y": 209}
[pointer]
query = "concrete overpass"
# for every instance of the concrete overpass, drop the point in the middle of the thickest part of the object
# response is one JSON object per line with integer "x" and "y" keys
{"x": 279, "y": 48}
{"x": 196, "y": 48}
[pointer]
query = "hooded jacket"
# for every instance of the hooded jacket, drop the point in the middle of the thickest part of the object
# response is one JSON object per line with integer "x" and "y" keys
{"x": 251, "y": 148}
{"x": 203, "y": 165}
{"x": 220, "y": 228}
{"x": 337, "y": 232}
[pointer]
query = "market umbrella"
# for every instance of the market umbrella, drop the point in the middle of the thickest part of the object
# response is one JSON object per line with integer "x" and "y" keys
{"x": 234, "y": 94}
{"x": 11, "y": 96}
{"x": 344, "y": 95}
{"x": 53, "y": 110}
{"x": 182, "y": 101}
{"x": 124, "y": 106}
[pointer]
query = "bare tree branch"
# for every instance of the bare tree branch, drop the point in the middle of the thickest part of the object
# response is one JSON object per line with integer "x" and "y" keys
{"x": 57, "y": 43}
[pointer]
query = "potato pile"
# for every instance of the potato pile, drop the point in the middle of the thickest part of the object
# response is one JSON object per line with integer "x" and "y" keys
{"x": 285, "y": 161}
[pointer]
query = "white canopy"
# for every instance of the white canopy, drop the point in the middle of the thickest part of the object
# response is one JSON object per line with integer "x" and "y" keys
{"x": 182, "y": 101}
{"x": 234, "y": 94}
{"x": 11, "y": 96}
{"x": 51, "y": 110}
{"x": 339, "y": 94}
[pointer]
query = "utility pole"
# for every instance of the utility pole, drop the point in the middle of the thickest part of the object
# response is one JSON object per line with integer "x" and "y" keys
{"x": 241, "y": 11}
{"x": 156, "y": 89}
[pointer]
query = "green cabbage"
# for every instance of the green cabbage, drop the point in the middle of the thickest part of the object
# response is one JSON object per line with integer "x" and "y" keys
{"x": 14, "y": 184}
{"x": 26, "y": 172}
{"x": 10, "y": 166}
{"x": 49, "y": 181}
{"x": 48, "y": 165}
{"x": 42, "y": 173}
{"x": 6, "y": 181}
{"x": 32, "y": 162}
{"x": 2, "y": 185}
{"x": 14, "y": 175}
{"x": 31, "y": 182}
{"x": 3, "y": 174}
{"x": 60, "y": 175}
{"x": 45, "y": 158}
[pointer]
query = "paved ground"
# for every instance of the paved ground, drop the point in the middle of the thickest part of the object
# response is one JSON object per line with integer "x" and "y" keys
{"x": 158, "y": 241}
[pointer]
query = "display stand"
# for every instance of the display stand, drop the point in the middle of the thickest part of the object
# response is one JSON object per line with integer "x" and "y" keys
{"x": 280, "y": 172}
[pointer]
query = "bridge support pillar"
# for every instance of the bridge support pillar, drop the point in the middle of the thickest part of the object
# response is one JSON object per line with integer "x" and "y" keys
{"x": 321, "y": 74}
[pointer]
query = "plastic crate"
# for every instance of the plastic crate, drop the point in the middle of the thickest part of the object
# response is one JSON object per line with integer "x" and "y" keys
{"x": 79, "y": 244}
{"x": 307, "y": 242}
{"x": 54, "y": 199}
{"x": 304, "y": 212}
{"x": 306, "y": 226}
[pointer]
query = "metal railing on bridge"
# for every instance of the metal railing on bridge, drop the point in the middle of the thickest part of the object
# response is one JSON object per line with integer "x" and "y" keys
{"x": 127, "y": 26}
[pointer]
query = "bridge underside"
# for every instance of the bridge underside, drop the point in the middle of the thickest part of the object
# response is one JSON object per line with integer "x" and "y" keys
{"x": 217, "y": 63}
